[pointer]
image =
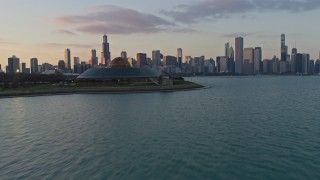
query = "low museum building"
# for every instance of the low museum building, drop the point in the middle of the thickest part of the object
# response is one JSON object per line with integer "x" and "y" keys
{"x": 120, "y": 70}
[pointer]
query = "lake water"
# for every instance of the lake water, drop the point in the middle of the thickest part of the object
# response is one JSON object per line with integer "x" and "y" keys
{"x": 239, "y": 128}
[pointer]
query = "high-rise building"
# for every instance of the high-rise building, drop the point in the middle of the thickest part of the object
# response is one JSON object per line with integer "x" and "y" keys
{"x": 94, "y": 58}
{"x": 298, "y": 63}
{"x": 257, "y": 60}
{"x": 34, "y": 65}
{"x": 267, "y": 66}
{"x": 294, "y": 52}
{"x": 62, "y": 65}
{"x": 231, "y": 65}
{"x": 13, "y": 65}
{"x": 124, "y": 55}
{"x": 248, "y": 61}
{"x": 67, "y": 59}
{"x": 169, "y": 61}
{"x": 179, "y": 58}
{"x": 156, "y": 58}
{"x": 305, "y": 63}
{"x": 46, "y": 67}
{"x": 311, "y": 66}
{"x": 284, "y": 48}
{"x": 23, "y": 68}
{"x": 76, "y": 64}
{"x": 227, "y": 50}
{"x": 142, "y": 60}
{"x": 223, "y": 64}
{"x": 105, "y": 54}
{"x": 239, "y": 55}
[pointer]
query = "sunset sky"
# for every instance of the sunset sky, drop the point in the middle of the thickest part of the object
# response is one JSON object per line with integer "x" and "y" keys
{"x": 44, "y": 28}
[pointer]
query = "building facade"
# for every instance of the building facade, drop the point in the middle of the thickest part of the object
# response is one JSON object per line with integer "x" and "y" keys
{"x": 284, "y": 48}
{"x": 248, "y": 61}
{"x": 13, "y": 65}
{"x": 179, "y": 57}
{"x": 34, "y": 65}
{"x": 238, "y": 55}
{"x": 67, "y": 59}
{"x": 105, "y": 54}
{"x": 142, "y": 60}
{"x": 257, "y": 69}
{"x": 94, "y": 58}
{"x": 156, "y": 58}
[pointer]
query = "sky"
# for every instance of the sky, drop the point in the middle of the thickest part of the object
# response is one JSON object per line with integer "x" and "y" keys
{"x": 45, "y": 28}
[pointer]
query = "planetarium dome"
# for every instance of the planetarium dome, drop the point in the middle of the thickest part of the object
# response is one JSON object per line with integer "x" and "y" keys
{"x": 119, "y": 70}
{"x": 119, "y": 63}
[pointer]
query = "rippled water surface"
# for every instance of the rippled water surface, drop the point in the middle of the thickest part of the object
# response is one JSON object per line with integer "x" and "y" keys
{"x": 240, "y": 128}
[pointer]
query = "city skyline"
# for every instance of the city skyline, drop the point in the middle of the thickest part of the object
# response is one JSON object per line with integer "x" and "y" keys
{"x": 46, "y": 33}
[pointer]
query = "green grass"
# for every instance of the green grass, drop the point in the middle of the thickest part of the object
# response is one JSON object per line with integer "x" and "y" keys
{"x": 43, "y": 87}
{"x": 182, "y": 82}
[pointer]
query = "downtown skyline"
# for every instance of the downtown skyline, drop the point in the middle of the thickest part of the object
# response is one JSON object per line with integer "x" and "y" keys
{"x": 47, "y": 32}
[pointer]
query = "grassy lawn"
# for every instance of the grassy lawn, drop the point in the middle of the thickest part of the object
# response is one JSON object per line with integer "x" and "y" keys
{"x": 182, "y": 82}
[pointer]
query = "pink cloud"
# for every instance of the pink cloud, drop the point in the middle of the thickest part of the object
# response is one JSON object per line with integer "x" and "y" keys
{"x": 114, "y": 20}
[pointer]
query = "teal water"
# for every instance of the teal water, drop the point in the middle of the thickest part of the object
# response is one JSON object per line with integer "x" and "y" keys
{"x": 240, "y": 128}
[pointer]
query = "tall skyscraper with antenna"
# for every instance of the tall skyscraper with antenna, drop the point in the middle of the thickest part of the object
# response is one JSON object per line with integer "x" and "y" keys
{"x": 284, "y": 48}
{"x": 105, "y": 54}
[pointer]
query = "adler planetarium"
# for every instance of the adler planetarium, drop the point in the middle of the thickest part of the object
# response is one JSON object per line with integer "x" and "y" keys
{"x": 120, "y": 70}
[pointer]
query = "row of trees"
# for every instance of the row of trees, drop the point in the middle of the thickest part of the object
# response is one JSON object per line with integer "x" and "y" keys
{"x": 30, "y": 78}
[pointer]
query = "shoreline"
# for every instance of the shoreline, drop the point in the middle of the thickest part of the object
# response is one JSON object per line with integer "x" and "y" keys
{"x": 100, "y": 90}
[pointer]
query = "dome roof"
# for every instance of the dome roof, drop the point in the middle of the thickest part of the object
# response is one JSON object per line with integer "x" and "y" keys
{"x": 119, "y": 63}
{"x": 119, "y": 73}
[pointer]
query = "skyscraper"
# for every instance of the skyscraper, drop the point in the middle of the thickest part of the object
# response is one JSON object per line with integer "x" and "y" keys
{"x": 248, "y": 61}
{"x": 23, "y": 68}
{"x": 305, "y": 63}
{"x": 169, "y": 61}
{"x": 94, "y": 58}
{"x": 142, "y": 60}
{"x": 223, "y": 64}
{"x": 227, "y": 50}
{"x": 179, "y": 57}
{"x": 294, "y": 53}
{"x": 76, "y": 60}
{"x": 105, "y": 54}
{"x": 67, "y": 59}
{"x": 156, "y": 58}
{"x": 34, "y": 65}
{"x": 13, "y": 65}
{"x": 284, "y": 48}
{"x": 298, "y": 63}
{"x": 76, "y": 64}
{"x": 61, "y": 65}
{"x": 239, "y": 55}
{"x": 257, "y": 60}
{"x": 231, "y": 60}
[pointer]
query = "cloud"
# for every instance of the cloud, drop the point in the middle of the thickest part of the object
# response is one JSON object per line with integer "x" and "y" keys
{"x": 216, "y": 9}
{"x": 114, "y": 20}
{"x": 64, "y": 32}
{"x": 240, "y": 34}
{"x": 7, "y": 42}
{"x": 61, "y": 45}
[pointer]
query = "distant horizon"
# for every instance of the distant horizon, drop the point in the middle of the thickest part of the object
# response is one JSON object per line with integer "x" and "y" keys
{"x": 199, "y": 28}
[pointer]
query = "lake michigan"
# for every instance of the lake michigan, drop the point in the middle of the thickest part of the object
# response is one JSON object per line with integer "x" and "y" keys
{"x": 264, "y": 127}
